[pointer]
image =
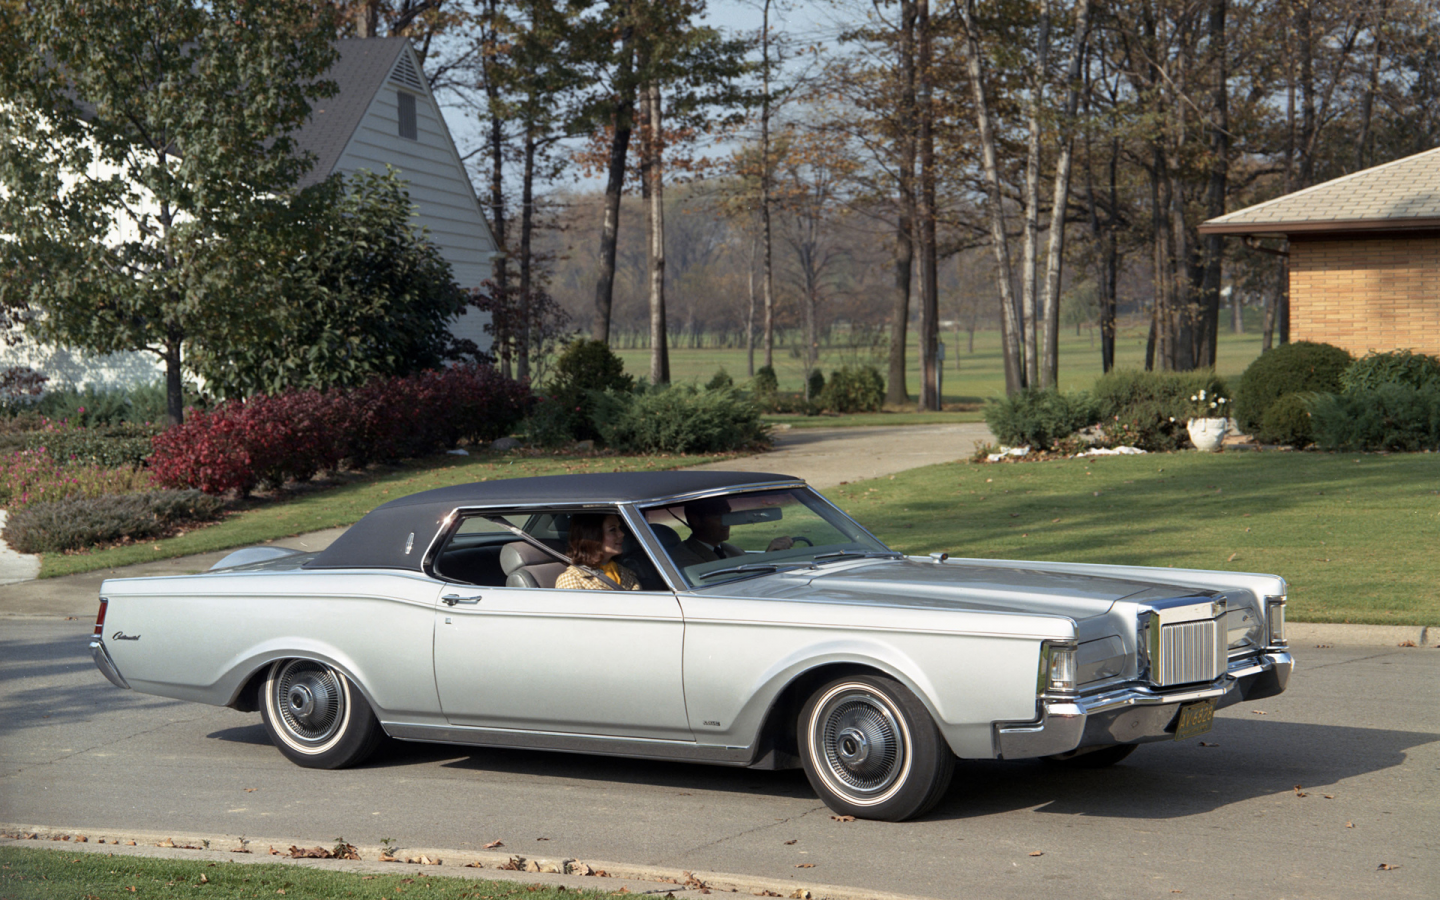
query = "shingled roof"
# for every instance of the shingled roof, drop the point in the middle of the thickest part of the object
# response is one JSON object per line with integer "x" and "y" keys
{"x": 1403, "y": 195}
{"x": 360, "y": 70}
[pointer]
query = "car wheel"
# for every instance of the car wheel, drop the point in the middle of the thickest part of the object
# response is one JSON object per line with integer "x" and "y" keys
{"x": 1099, "y": 758}
{"x": 315, "y": 716}
{"x": 870, "y": 749}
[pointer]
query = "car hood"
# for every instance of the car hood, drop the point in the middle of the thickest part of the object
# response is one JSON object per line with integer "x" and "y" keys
{"x": 1007, "y": 588}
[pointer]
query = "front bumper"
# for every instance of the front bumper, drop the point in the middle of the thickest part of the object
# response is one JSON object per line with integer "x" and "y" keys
{"x": 1136, "y": 714}
{"x": 106, "y": 665}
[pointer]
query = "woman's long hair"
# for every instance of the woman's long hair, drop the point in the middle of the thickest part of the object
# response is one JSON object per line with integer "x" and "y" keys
{"x": 587, "y": 539}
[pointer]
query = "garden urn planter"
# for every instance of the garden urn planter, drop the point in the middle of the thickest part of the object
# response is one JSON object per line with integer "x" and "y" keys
{"x": 1206, "y": 434}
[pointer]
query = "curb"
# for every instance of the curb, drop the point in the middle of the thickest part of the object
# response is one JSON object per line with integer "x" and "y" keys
{"x": 1302, "y": 634}
{"x": 473, "y": 864}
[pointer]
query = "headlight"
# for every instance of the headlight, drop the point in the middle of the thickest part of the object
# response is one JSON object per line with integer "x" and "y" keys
{"x": 1275, "y": 620}
{"x": 1243, "y": 627}
{"x": 1057, "y": 668}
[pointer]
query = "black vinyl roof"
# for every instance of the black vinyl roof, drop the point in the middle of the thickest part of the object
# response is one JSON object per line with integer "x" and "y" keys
{"x": 380, "y": 539}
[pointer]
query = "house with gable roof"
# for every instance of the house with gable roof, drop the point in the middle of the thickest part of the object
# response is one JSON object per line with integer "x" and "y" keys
{"x": 1364, "y": 253}
{"x": 383, "y": 114}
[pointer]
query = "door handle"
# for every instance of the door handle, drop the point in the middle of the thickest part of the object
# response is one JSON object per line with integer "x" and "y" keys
{"x": 452, "y": 599}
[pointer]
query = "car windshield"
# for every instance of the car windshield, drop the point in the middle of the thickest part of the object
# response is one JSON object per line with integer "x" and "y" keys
{"x": 720, "y": 539}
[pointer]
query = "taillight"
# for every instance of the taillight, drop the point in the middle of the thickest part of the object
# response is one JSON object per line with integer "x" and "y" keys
{"x": 100, "y": 618}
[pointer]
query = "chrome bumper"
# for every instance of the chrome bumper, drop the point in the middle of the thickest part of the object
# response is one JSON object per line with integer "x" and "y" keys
{"x": 1135, "y": 714}
{"x": 106, "y": 665}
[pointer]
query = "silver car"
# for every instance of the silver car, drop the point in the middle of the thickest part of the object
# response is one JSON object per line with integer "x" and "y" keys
{"x": 789, "y": 636}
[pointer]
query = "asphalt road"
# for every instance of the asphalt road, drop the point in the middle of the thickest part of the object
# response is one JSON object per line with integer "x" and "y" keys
{"x": 1358, "y": 733}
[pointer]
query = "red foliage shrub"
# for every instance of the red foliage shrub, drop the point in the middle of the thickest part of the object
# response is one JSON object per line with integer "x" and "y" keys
{"x": 270, "y": 440}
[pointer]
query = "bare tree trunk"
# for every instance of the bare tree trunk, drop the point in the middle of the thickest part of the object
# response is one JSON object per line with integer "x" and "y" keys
{"x": 750, "y": 312}
{"x": 767, "y": 269}
{"x": 1207, "y": 329}
{"x": 614, "y": 185}
{"x": 896, "y": 391}
{"x": 654, "y": 175}
{"x": 1010, "y": 314}
{"x": 1050, "y": 370}
{"x": 929, "y": 274}
{"x": 174, "y": 380}
{"x": 1030, "y": 268}
{"x": 500, "y": 268}
{"x": 1372, "y": 87}
{"x": 527, "y": 227}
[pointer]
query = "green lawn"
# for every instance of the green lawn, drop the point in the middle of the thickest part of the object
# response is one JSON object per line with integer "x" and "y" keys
{"x": 53, "y": 874}
{"x": 345, "y": 504}
{"x": 969, "y": 379}
{"x": 1356, "y": 535}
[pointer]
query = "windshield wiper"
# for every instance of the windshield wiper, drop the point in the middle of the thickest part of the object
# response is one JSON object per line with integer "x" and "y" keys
{"x": 868, "y": 554}
{"x": 752, "y": 567}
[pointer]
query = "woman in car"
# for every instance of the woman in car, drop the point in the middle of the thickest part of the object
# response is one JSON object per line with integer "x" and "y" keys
{"x": 595, "y": 541}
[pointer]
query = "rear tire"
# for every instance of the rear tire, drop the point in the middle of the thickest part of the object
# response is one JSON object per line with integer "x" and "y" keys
{"x": 871, "y": 750}
{"x": 315, "y": 716}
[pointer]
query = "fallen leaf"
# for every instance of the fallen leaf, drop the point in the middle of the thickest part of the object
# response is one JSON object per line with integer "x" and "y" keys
{"x": 1232, "y": 556}
{"x": 1383, "y": 867}
{"x": 493, "y": 844}
{"x": 204, "y": 879}
{"x": 843, "y": 818}
{"x": 1258, "y": 712}
{"x": 1349, "y": 824}
{"x": 474, "y": 865}
{"x": 310, "y": 853}
{"x": 1037, "y": 852}
{"x": 165, "y": 843}
{"x": 788, "y": 843}
{"x": 1407, "y": 644}
{"x": 804, "y": 865}
{"x": 1328, "y": 796}
{"x": 1204, "y": 744}
{"x": 251, "y": 790}
{"x": 1300, "y": 793}
{"x": 542, "y": 839}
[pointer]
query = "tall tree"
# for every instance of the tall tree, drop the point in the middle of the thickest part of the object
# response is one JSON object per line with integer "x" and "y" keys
{"x": 140, "y": 149}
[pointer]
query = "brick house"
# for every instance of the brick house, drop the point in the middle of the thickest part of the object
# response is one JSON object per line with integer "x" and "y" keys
{"x": 1364, "y": 255}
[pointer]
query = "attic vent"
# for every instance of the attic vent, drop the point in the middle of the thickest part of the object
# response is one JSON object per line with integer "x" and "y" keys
{"x": 404, "y": 73}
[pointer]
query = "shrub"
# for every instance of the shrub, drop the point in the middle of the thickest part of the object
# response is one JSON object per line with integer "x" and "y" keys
{"x": 1393, "y": 416}
{"x": 1299, "y": 367}
{"x": 854, "y": 389}
{"x": 765, "y": 381}
{"x": 30, "y": 476}
{"x": 549, "y": 424}
{"x": 109, "y": 406}
{"x": 814, "y": 385}
{"x": 1396, "y": 367}
{"x": 721, "y": 379}
{"x": 108, "y": 446}
{"x": 20, "y": 389}
{"x": 1149, "y": 409}
{"x": 1037, "y": 418}
{"x": 1287, "y": 421}
{"x": 270, "y": 440}
{"x": 678, "y": 419}
{"x": 79, "y": 522}
{"x": 586, "y": 366}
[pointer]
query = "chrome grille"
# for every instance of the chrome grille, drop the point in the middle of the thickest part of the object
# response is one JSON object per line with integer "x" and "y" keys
{"x": 1190, "y": 651}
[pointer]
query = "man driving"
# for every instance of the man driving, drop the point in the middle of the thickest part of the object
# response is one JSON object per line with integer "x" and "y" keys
{"x": 710, "y": 535}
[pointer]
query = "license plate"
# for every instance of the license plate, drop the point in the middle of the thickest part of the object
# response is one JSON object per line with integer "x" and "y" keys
{"x": 1195, "y": 718}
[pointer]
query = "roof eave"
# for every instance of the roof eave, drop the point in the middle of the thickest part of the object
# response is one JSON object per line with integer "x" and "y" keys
{"x": 1282, "y": 229}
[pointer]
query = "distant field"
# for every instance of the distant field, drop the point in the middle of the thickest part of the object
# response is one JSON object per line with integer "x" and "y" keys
{"x": 969, "y": 379}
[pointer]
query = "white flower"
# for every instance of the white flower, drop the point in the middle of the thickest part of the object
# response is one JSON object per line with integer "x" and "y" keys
{"x": 1221, "y": 400}
{"x": 1202, "y": 394}
{"x": 1172, "y": 418}
{"x": 1193, "y": 397}
{"x": 1212, "y": 405}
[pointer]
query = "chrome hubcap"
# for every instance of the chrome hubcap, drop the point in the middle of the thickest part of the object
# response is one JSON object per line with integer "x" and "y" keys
{"x": 310, "y": 699}
{"x": 862, "y": 743}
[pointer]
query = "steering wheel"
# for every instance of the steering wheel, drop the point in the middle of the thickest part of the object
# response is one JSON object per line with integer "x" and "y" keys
{"x": 802, "y": 539}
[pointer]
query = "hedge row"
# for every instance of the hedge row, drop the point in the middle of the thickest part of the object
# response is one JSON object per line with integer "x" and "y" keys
{"x": 79, "y": 522}
{"x": 265, "y": 440}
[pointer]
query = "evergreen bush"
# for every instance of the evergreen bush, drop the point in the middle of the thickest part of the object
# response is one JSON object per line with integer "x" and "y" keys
{"x": 1287, "y": 421}
{"x": 1149, "y": 410}
{"x": 1395, "y": 367}
{"x": 1395, "y": 416}
{"x": 1294, "y": 368}
{"x": 814, "y": 385}
{"x": 854, "y": 389}
{"x": 1038, "y": 418}
{"x": 678, "y": 419}
{"x": 584, "y": 367}
{"x": 109, "y": 446}
{"x": 721, "y": 379}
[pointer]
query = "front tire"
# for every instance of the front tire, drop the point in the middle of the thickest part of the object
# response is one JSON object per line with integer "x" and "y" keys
{"x": 871, "y": 750}
{"x": 315, "y": 716}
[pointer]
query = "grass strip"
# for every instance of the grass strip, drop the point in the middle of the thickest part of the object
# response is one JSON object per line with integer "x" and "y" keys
{"x": 345, "y": 504}
{"x": 27, "y": 874}
{"x": 1355, "y": 535}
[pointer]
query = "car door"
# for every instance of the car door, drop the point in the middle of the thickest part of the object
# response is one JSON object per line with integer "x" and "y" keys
{"x": 568, "y": 661}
